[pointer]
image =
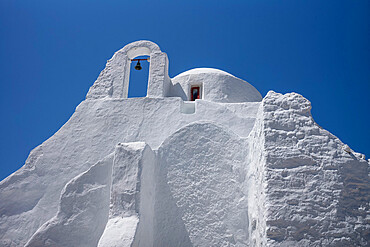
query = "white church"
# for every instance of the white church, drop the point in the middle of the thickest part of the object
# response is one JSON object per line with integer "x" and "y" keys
{"x": 203, "y": 160}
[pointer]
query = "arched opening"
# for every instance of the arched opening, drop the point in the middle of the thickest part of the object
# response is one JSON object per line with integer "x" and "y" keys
{"x": 138, "y": 82}
{"x": 115, "y": 80}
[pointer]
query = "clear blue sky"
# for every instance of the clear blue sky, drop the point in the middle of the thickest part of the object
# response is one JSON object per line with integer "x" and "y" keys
{"x": 51, "y": 52}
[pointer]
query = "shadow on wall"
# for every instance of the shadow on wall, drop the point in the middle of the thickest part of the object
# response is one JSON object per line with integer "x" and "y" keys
{"x": 355, "y": 195}
{"x": 178, "y": 91}
{"x": 169, "y": 227}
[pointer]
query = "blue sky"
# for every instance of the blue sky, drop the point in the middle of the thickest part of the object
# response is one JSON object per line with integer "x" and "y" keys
{"x": 51, "y": 52}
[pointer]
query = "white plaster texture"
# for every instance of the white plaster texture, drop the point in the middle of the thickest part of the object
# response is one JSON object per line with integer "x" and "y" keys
{"x": 132, "y": 193}
{"x": 83, "y": 210}
{"x": 225, "y": 170}
{"x": 206, "y": 178}
{"x": 315, "y": 192}
{"x": 91, "y": 134}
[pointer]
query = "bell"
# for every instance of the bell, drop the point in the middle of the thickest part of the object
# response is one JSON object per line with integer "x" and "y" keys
{"x": 138, "y": 66}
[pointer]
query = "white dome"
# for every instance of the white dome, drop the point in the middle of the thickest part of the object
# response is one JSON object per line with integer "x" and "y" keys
{"x": 216, "y": 85}
{"x": 203, "y": 71}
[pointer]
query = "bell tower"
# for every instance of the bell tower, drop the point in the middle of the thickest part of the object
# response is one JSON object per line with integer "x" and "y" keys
{"x": 115, "y": 78}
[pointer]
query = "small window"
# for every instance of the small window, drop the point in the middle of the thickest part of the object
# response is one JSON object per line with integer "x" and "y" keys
{"x": 195, "y": 93}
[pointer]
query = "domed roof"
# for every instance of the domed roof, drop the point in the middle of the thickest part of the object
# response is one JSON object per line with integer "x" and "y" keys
{"x": 216, "y": 85}
{"x": 203, "y": 71}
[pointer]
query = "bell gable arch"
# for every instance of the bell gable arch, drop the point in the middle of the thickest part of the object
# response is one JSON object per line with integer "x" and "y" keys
{"x": 115, "y": 78}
